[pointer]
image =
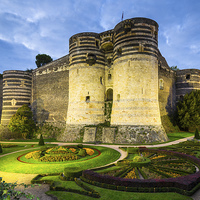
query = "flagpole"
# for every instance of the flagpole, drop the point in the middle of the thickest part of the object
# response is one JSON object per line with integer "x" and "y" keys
{"x": 122, "y": 15}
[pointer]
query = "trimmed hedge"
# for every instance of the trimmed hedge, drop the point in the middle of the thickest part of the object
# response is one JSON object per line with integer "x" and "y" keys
{"x": 72, "y": 172}
{"x": 182, "y": 185}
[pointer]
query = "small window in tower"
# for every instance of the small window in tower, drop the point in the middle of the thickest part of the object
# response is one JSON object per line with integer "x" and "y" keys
{"x": 118, "y": 97}
{"x": 97, "y": 43}
{"x": 188, "y": 77}
{"x": 101, "y": 80}
{"x": 109, "y": 76}
{"x": 87, "y": 99}
{"x": 161, "y": 84}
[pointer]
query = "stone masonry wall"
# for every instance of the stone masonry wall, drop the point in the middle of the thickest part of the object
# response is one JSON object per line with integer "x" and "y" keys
{"x": 166, "y": 87}
{"x": 50, "y": 92}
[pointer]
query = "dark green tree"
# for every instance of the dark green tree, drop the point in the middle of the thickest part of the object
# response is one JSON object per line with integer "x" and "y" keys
{"x": 1, "y": 149}
{"x": 1, "y": 76}
{"x": 41, "y": 141}
{"x": 22, "y": 122}
{"x": 196, "y": 134}
{"x": 174, "y": 68}
{"x": 188, "y": 111}
{"x": 42, "y": 59}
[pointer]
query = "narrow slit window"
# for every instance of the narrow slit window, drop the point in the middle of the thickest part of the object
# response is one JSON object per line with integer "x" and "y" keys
{"x": 101, "y": 80}
{"x": 109, "y": 76}
{"x": 87, "y": 99}
{"x": 118, "y": 97}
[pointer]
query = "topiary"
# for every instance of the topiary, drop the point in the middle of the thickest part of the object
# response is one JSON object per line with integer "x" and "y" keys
{"x": 82, "y": 152}
{"x": 41, "y": 141}
{"x": 1, "y": 149}
{"x": 73, "y": 172}
{"x": 196, "y": 135}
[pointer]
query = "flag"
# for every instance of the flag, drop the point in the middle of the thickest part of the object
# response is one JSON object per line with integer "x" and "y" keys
{"x": 122, "y": 15}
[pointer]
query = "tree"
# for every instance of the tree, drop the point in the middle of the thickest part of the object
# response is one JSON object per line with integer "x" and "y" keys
{"x": 1, "y": 149}
{"x": 188, "y": 111}
{"x": 196, "y": 134}
{"x": 174, "y": 68}
{"x": 42, "y": 59}
{"x": 41, "y": 141}
{"x": 22, "y": 122}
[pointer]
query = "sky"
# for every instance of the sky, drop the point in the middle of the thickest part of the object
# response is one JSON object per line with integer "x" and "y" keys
{"x": 31, "y": 27}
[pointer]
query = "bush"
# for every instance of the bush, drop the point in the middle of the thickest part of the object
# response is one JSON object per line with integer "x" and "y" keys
{"x": 48, "y": 130}
{"x": 5, "y": 133}
{"x": 41, "y": 141}
{"x": 1, "y": 150}
{"x": 82, "y": 153}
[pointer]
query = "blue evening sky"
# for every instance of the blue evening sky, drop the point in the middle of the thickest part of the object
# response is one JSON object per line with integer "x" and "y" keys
{"x": 30, "y": 27}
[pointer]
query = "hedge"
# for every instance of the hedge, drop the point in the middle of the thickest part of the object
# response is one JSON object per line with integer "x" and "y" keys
{"x": 187, "y": 183}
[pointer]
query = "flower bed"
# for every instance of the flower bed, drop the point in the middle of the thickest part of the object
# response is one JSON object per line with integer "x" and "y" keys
{"x": 60, "y": 154}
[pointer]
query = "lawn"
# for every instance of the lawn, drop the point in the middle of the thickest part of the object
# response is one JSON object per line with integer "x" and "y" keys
{"x": 178, "y": 136}
{"x": 9, "y": 163}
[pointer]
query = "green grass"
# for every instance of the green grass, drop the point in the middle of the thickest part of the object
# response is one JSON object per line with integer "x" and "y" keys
{"x": 107, "y": 194}
{"x": 9, "y": 163}
{"x": 178, "y": 136}
{"x": 17, "y": 148}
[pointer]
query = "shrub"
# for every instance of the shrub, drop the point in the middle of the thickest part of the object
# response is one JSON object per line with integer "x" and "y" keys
{"x": 41, "y": 141}
{"x": 80, "y": 146}
{"x": 1, "y": 150}
{"x": 82, "y": 152}
{"x": 5, "y": 133}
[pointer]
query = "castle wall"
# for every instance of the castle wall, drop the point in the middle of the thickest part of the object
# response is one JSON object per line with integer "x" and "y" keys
{"x": 50, "y": 92}
{"x": 16, "y": 92}
{"x": 166, "y": 88}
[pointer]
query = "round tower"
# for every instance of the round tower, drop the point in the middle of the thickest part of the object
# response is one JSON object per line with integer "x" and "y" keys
{"x": 16, "y": 92}
{"x": 135, "y": 72}
{"x": 86, "y": 80}
{"x": 186, "y": 81}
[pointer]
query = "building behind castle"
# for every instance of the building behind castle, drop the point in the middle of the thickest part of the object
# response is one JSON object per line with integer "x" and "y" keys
{"x": 118, "y": 76}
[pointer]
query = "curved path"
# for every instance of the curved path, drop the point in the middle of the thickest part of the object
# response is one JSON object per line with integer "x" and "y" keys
{"x": 26, "y": 178}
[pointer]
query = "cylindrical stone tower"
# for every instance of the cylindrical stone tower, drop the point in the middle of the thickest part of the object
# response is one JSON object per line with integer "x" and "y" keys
{"x": 186, "y": 81}
{"x": 135, "y": 72}
{"x": 16, "y": 92}
{"x": 135, "y": 87}
{"x": 86, "y": 80}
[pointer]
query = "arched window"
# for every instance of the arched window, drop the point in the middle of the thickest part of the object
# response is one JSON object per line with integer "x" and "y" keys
{"x": 109, "y": 94}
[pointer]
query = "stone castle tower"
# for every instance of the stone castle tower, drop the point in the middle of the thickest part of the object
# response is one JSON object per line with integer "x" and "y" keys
{"x": 118, "y": 76}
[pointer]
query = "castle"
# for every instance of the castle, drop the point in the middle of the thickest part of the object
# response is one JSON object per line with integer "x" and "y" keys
{"x": 118, "y": 76}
